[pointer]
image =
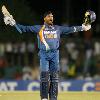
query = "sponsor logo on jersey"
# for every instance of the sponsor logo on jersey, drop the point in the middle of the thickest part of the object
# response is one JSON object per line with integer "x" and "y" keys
{"x": 50, "y": 34}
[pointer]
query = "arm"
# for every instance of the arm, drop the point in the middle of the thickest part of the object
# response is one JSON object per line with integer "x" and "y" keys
{"x": 9, "y": 20}
{"x": 68, "y": 30}
{"x": 21, "y": 28}
{"x": 28, "y": 28}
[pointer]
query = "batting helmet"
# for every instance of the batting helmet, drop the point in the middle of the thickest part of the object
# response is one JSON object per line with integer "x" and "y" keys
{"x": 91, "y": 14}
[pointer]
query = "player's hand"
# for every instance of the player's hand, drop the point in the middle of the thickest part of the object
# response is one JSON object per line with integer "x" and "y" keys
{"x": 86, "y": 27}
{"x": 9, "y": 20}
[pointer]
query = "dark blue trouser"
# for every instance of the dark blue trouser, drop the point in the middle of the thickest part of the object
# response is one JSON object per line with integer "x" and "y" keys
{"x": 49, "y": 66}
{"x": 49, "y": 61}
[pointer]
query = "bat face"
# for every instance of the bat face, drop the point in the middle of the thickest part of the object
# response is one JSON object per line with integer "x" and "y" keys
{"x": 4, "y": 11}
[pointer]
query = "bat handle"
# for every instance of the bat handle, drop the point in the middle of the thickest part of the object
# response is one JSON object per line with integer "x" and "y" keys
{"x": 19, "y": 30}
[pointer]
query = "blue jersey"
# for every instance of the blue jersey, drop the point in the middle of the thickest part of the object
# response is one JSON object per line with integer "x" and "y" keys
{"x": 51, "y": 33}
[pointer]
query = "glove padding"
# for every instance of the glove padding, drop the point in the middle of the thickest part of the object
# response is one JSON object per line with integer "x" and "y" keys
{"x": 9, "y": 20}
{"x": 86, "y": 27}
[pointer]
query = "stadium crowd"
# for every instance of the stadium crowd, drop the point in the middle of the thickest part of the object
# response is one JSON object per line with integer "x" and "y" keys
{"x": 79, "y": 59}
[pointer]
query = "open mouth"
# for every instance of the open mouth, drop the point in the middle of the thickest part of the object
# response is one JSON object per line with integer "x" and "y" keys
{"x": 51, "y": 20}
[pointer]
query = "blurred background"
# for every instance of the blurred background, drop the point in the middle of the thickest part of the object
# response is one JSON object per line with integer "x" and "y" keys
{"x": 79, "y": 52}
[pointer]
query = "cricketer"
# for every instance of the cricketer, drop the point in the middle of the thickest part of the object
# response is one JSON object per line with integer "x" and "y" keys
{"x": 48, "y": 36}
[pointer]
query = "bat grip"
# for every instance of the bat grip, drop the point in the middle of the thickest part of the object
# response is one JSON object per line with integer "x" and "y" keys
{"x": 19, "y": 30}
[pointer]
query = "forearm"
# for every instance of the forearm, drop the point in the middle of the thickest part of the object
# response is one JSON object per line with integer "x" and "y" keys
{"x": 82, "y": 28}
{"x": 18, "y": 29}
{"x": 68, "y": 30}
{"x": 76, "y": 29}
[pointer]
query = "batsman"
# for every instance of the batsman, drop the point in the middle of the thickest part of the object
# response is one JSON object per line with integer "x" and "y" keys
{"x": 48, "y": 36}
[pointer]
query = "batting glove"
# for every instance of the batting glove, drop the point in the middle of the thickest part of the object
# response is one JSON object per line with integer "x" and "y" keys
{"x": 86, "y": 27}
{"x": 9, "y": 20}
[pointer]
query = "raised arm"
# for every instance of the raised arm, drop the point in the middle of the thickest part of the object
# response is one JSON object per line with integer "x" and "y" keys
{"x": 21, "y": 28}
{"x": 9, "y": 20}
{"x": 67, "y": 30}
{"x": 34, "y": 28}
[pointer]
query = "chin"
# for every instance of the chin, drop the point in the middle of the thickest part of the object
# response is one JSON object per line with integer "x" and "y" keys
{"x": 51, "y": 23}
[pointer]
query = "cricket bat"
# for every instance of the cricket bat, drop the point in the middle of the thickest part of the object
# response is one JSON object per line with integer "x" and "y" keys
{"x": 6, "y": 13}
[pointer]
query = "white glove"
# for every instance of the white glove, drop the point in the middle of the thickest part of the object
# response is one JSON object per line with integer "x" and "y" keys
{"x": 9, "y": 20}
{"x": 86, "y": 27}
